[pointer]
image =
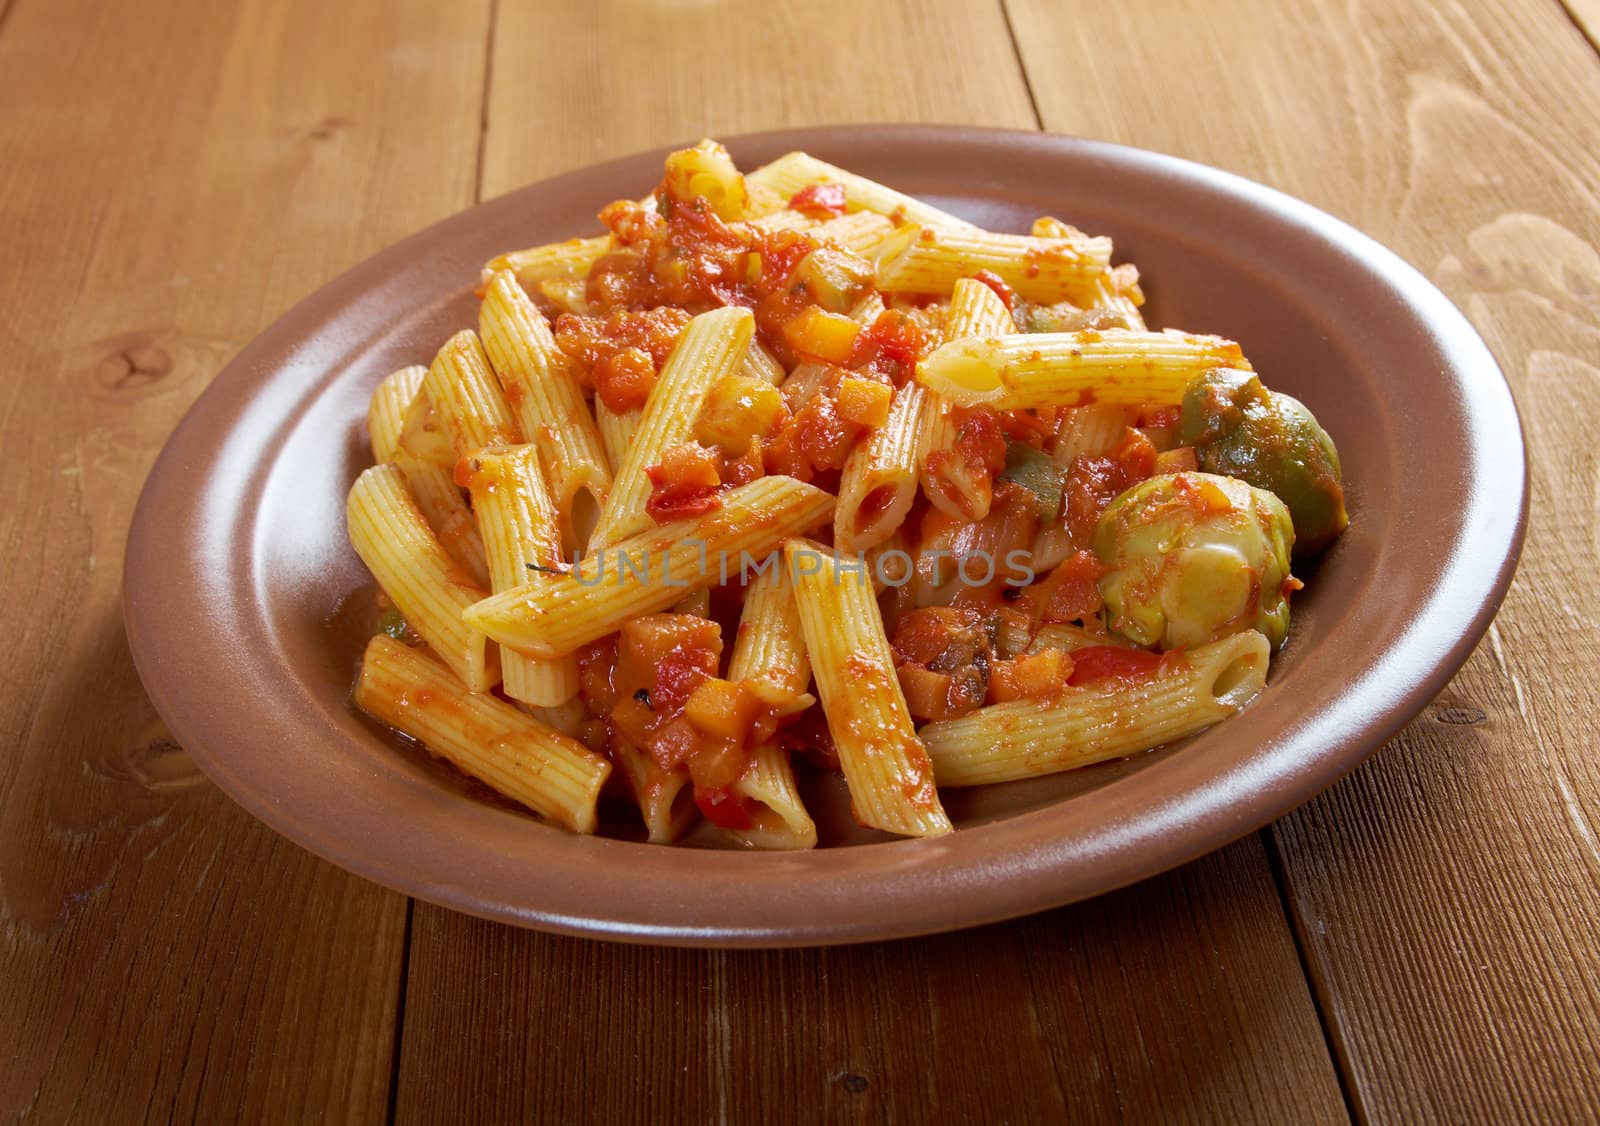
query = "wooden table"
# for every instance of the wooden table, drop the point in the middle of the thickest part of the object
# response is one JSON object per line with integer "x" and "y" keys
{"x": 1417, "y": 944}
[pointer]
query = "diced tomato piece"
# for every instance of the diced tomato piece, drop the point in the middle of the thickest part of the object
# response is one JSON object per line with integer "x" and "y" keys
{"x": 1102, "y": 664}
{"x": 1094, "y": 482}
{"x": 979, "y": 439}
{"x": 889, "y": 348}
{"x": 819, "y": 200}
{"x": 724, "y": 808}
{"x": 1001, "y": 290}
{"x": 1072, "y": 590}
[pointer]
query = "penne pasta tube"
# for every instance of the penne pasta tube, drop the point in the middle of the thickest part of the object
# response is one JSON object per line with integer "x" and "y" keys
{"x": 386, "y": 413}
{"x": 664, "y": 797}
{"x": 885, "y": 765}
{"x": 566, "y": 718}
{"x": 713, "y": 345}
{"x": 550, "y": 773}
{"x": 1107, "y": 296}
{"x": 568, "y": 296}
{"x": 423, "y": 435}
{"x": 696, "y": 605}
{"x": 1092, "y": 430}
{"x": 520, "y": 534}
{"x": 1067, "y": 636}
{"x": 880, "y": 476}
{"x": 430, "y": 483}
{"x": 770, "y": 647}
{"x": 932, "y": 259}
{"x": 438, "y": 497}
{"x": 554, "y": 261}
{"x": 617, "y": 431}
{"x": 794, "y": 171}
{"x": 762, "y": 364}
{"x": 1064, "y": 369}
{"x": 762, "y": 201}
{"x": 552, "y": 615}
{"x": 468, "y": 397}
{"x": 780, "y": 820}
{"x": 1026, "y": 738}
{"x": 390, "y": 535}
{"x": 862, "y": 232}
{"x": 548, "y": 404}
{"x": 783, "y": 219}
{"x": 949, "y": 480}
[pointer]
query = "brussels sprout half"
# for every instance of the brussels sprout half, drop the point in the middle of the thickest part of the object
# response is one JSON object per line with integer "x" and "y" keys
{"x": 1194, "y": 557}
{"x": 1240, "y": 429}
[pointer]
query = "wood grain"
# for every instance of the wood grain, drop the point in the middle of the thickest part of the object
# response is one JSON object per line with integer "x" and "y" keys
{"x": 176, "y": 174}
{"x": 576, "y": 83}
{"x": 1586, "y": 14}
{"x": 1447, "y": 892}
{"x": 1179, "y": 1000}
{"x": 522, "y": 1027}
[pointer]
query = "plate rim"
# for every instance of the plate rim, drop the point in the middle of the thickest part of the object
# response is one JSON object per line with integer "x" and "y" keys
{"x": 1201, "y": 821}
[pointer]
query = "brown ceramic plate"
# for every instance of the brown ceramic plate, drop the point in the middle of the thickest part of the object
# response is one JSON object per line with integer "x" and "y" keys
{"x": 238, "y": 565}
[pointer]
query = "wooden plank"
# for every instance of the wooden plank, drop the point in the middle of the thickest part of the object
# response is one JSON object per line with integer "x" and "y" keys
{"x": 576, "y": 83}
{"x": 174, "y": 175}
{"x": 1179, "y": 1000}
{"x": 1447, "y": 892}
{"x": 999, "y": 1024}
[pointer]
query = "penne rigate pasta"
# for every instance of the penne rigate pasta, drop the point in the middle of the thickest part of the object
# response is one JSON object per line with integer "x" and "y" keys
{"x": 664, "y": 797}
{"x": 884, "y": 762}
{"x": 862, "y": 232}
{"x": 520, "y": 535}
{"x": 712, "y": 346}
{"x": 1092, "y": 430}
{"x": 917, "y": 259}
{"x": 1073, "y": 368}
{"x": 552, "y": 615}
{"x": 386, "y": 413}
{"x": 617, "y": 431}
{"x": 1107, "y": 297}
{"x": 762, "y": 364}
{"x": 468, "y": 398}
{"x": 423, "y": 436}
{"x": 430, "y": 483}
{"x": 770, "y": 648}
{"x": 543, "y": 393}
{"x": 394, "y": 541}
{"x": 1005, "y": 742}
{"x": 949, "y": 480}
{"x": 434, "y": 489}
{"x": 555, "y": 776}
{"x": 880, "y": 477}
{"x": 797, "y": 170}
{"x": 780, "y": 820}
{"x": 1066, "y": 636}
{"x": 554, "y": 261}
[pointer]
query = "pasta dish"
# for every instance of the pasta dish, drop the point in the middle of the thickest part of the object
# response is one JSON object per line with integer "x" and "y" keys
{"x": 787, "y": 471}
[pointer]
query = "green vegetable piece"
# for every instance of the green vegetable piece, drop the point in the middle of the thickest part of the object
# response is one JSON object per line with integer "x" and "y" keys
{"x": 1193, "y": 558}
{"x": 1240, "y": 429}
{"x": 1037, "y": 472}
{"x": 393, "y": 623}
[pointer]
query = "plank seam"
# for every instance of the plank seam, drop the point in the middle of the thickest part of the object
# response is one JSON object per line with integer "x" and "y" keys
{"x": 1022, "y": 67}
{"x": 6, "y": 8}
{"x": 400, "y": 1015}
{"x": 1590, "y": 35}
{"x": 1319, "y": 1002}
{"x": 488, "y": 86}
